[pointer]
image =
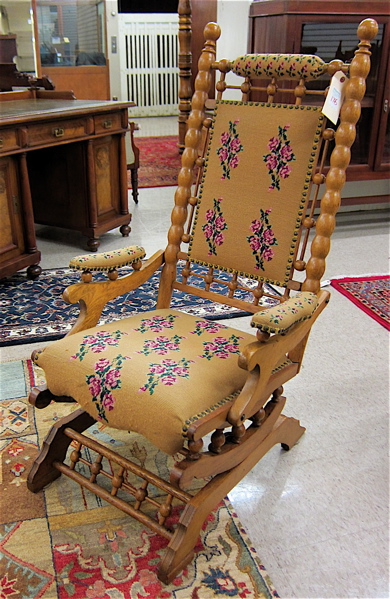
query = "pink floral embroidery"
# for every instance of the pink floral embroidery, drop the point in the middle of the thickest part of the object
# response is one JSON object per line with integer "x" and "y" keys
{"x": 298, "y": 306}
{"x": 167, "y": 373}
{"x": 220, "y": 347}
{"x": 262, "y": 239}
{"x": 105, "y": 379}
{"x": 229, "y": 149}
{"x": 97, "y": 343}
{"x": 215, "y": 225}
{"x": 278, "y": 158}
{"x": 161, "y": 345}
{"x": 204, "y": 326}
{"x": 156, "y": 323}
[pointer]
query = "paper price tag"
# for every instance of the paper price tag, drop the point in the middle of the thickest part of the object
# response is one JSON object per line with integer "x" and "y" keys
{"x": 334, "y": 99}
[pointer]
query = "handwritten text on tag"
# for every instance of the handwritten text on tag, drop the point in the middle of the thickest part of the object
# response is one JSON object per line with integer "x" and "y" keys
{"x": 334, "y": 99}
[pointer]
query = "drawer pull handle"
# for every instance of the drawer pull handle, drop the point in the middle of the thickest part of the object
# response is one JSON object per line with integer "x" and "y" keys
{"x": 107, "y": 124}
{"x": 59, "y": 132}
{"x": 1, "y": 143}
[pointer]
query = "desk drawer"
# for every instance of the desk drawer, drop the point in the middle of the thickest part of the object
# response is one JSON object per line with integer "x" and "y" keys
{"x": 56, "y": 131}
{"x": 8, "y": 140}
{"x": 106, "y": 123}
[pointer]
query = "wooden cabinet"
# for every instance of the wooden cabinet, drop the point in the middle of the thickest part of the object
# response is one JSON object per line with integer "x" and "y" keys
{"x": 329, "y": 30}
{"x": 63, "y": 164}
{"x": 17, "y": 238}
{"x": 84, "y": 186}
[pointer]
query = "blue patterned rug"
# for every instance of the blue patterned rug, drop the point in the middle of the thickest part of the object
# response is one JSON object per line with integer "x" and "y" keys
{"x": 33, "y": 311}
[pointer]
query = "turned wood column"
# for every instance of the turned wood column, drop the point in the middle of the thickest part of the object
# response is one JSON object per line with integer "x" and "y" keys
{"x": 185, "y": 65}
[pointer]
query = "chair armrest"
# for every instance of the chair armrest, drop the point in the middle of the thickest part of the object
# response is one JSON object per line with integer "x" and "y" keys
{"x": 261, "y": 357}
{"x": 107, "y": 261}
{"x": 279, "y": 319}
{"x": 93, "y": 296}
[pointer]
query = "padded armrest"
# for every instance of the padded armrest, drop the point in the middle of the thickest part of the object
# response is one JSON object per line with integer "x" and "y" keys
{"x": 106, "y": 261}
{"x": 281, "y": 318}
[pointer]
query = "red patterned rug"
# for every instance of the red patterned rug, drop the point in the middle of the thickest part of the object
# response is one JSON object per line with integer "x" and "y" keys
{"x": 159, "y": 161}
{"x": 66, "y": 543}
{"x": 370, "y": 293}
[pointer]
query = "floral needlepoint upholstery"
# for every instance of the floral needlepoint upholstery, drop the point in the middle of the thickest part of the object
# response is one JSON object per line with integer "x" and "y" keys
{"x": 280, "y": 319}
{"x": 104, "y": 261}
{"x": 258, "y": 164}
{"x": 140, "y": 377}
{"x": 290, "y": 66}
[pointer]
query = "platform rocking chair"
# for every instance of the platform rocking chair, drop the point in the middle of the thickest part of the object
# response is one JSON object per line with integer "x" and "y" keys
{"x": 237, "y": 237}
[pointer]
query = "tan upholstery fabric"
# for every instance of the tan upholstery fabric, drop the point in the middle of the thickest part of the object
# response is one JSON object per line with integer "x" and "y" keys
{"x": 255, "y": 164}
{"x": 151, "y": 373}
{"x": 281, "y": 318}
{"x": 104, "y": 261}
{"x": 289, "y": 66}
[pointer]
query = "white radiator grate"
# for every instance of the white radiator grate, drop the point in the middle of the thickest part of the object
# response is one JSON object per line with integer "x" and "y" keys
{"x": 148, "y": 48}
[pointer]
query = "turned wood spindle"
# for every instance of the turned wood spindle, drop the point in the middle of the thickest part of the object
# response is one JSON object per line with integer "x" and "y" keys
{"x": 75, "y": 455}
{"x": 195, "y": 447}
{"x": 165, "y": 510}
{"x": 217, "y": 441}
{"x": 141, "y": 494}
{"x": 276, "y": 394}
{"x": 117, "y": 481}
{"x": 258, "y": 418}
{"x": 96, "y": 467}
{"x": 237, "y": 433}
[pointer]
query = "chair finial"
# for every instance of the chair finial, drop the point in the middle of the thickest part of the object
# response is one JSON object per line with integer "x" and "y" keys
{"x": 367, "y": 30}
{"x": 212, "y": 32}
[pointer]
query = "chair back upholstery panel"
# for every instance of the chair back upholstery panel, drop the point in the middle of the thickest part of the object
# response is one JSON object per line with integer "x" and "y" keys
{"x": 260, "y": 158}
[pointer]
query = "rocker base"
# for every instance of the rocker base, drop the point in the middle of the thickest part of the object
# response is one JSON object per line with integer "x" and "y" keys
{"x": 49, "y": 465}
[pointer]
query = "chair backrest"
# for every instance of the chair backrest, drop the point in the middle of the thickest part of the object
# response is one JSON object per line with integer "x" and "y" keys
{"x": 259, "y": 167}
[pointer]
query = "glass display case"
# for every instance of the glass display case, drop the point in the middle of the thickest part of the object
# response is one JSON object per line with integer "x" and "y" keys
{"x": 328, "y": 29}
{"x": 71, "y": 32}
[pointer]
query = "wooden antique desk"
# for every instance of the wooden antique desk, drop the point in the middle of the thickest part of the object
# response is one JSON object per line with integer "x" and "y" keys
{"x": 62, "y": 163}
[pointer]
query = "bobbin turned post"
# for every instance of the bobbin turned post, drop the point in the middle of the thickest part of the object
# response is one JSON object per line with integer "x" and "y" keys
{"x": 341, "y": 156}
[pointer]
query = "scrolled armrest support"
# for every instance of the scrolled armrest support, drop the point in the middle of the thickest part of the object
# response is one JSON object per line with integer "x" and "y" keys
{"x": 92, "y": 297}
{"x": 260, "y": 358}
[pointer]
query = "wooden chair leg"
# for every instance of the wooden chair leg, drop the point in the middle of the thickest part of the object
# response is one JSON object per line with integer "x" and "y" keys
{"x": 54, "y": 448}
{"x": 133, "y": 166}
{"x": 179, "y": 552}
{"x": 134, "y": 183}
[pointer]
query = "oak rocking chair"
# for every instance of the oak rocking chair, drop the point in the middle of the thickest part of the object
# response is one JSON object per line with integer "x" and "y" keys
{"x": 245, "y": 225}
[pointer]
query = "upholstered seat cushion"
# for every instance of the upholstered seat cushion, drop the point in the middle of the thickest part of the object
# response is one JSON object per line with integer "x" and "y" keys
{"x": 152, "y": 373}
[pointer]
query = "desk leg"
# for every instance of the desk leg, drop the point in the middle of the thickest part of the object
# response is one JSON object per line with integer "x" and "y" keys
{"x": 92, "y": 243}
{"x": 123, "y": 200}
{"x": 34, "y": 270}
{"x": 28, "y": 215}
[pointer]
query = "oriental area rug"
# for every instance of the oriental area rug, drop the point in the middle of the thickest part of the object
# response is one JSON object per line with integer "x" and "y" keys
{"x": 159, "y": 161}
{"x": 34, "y": 311}
{"x": 370, "y": 293}
{"x": 66, "y": 543}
